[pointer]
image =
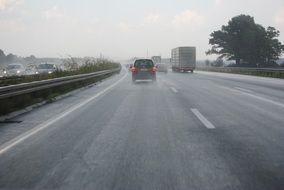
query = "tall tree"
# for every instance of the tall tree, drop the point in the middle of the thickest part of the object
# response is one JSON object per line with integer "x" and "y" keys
{"x": 10, "y": 58}
{"x": 30, "y": 59}
{"x": 207, "y": 62}
{"x": 218, "y": 63}
{"x": 2, "y": 57}
{"x": 246, "y": 42}
{"x": 274, "y": 46}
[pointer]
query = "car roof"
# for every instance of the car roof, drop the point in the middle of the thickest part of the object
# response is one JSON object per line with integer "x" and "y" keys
{"x": 46, "y": 64}
{"x": 16, "y": 64}
{"x": 143, "y": 59}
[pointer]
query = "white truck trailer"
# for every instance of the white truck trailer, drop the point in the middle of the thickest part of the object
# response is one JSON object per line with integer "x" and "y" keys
{"x": 183, "y": 59}
{"x": 157, "y": 59}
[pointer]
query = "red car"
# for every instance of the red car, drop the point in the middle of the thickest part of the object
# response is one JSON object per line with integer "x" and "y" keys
{"x": 143, "y": 69}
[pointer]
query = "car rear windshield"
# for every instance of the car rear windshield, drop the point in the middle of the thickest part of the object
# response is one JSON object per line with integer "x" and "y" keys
{"x": 144, "y": 63}
{"x": 13, "y": 67}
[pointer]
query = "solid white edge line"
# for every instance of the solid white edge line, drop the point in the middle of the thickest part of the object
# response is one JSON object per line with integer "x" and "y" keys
{"x": 263, "y": 99}
{"x": 203, "y": 120}
{"x": 10, "y": 144}
{"x": 243, "y": 89}
{"x": 255, "y": 96}
{"x": 174, "y": 90}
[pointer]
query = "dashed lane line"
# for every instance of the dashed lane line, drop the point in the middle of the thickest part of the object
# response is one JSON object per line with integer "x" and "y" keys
{"x": 203, "y": 119}
{"x": 174, "y": 90}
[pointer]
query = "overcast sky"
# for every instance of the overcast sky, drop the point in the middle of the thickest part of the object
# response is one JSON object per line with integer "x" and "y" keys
{"x": 120, "y": 29}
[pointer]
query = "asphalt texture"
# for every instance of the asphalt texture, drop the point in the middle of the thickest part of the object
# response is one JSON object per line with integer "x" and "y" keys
{"x": 184, "y": 131}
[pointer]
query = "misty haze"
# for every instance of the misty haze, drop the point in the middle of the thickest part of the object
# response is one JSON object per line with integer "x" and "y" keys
{"x": 142, "y": 94}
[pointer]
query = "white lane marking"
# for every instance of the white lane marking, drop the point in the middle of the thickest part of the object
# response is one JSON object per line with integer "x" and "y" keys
{"x": 243, "y": 89}
{"x": 167, "y": 82}
{"x": 203, "y": 120}
{"x": 263, "y": 99}
{"x": 10, "y": 144}
{"x": 174, "y": 90}
{"x": 256, "y": 97}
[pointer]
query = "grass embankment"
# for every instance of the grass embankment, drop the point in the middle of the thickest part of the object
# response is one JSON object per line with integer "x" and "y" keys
{"x": 12, "y": 104}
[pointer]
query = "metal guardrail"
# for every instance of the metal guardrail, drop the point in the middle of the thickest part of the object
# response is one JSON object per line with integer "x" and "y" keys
{"x": 24, "y": 88}
{"x": 268, "y": 72}
{"x": 240, "y": 69}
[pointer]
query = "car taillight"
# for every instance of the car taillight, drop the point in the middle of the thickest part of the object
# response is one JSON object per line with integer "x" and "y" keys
{"x": 134, "y": 69}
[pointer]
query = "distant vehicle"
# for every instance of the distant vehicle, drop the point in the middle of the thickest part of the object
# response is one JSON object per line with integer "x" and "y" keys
{"x": 15, "y": 69}
{"x": 157, "y": 59}
{"x": 45, "y": 68}
{"x": 130, "y": 67}
{"x": 31, "y": 70}
{"x": 162, "y": 68}
{"x": 143, "y": 69}
{"x": 183, "y": 59}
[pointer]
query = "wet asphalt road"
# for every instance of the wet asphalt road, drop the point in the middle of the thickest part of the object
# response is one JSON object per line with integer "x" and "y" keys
{"x": 186, "y": 131}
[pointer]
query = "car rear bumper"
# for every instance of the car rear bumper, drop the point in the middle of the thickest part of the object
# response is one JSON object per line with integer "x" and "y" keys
{"x": 143, "y": 76}
{"x": 165, "y": 71}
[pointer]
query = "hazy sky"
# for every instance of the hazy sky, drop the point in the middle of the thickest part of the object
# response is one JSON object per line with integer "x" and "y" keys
{"x": 122, "y": 29}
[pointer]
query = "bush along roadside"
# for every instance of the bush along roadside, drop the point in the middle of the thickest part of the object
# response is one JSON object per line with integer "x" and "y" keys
{"x": 71, "y": 68}
{"x": 11, "y": 104}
